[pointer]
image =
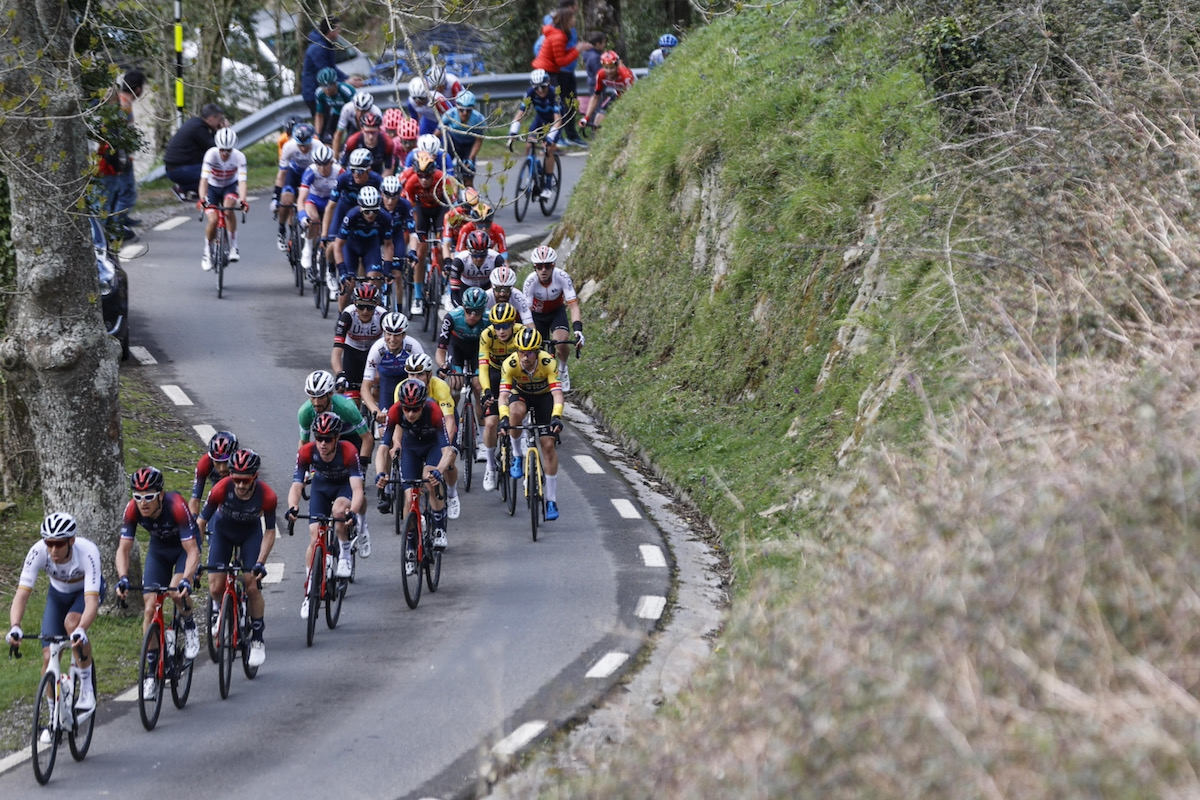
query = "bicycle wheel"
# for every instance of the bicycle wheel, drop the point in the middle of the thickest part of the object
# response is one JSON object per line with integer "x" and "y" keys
{"x": 45, "y": 718}
{"x": 502, "y": 462}
{"x": 533, "y": 489}
{"x": 208, "y": 628}
{"x": 225, "y": 645}
{"x": 149, "y": 707}
{"x": 411, "y": 567}
{"x": 432, "y": 565}
{"x": 315, "y": 581}
{"x": 80, "y": 736}
{"x": 335, "y": 590}
{"x": 408, "y": 286}
{"x": 294, "y": 248}
{"x": 506, "y": 476}
{"x": 181, "y": 668}
{"x": 244, "y": 638}
{"x": 221, "y": 259}
{"x": 466, "y": 430}
{"x": 430, "y": 301}
{"x": 549, "y": 205}
{"x": 524, "y": 189}
{"x": 326, "y": 292}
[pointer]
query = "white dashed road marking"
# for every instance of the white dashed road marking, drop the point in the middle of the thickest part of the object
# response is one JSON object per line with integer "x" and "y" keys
{"x": 516, "y": 238}
{"x": 176, "y": 394}
{"x": 170, "y": 224}
{"x": 142, "y": 355}
{"x": 519, "y": 738}
{"x": 625, "y": 508}
{"x": 205, "y": 432}
{"x": 607, "y": 665}
{"x": 589, "y": 465}
{"x": 650, "y": 606}
{"x": 131, "y": 251}
{"x": 652, "y": 555}
{"x": 275, "y": 570}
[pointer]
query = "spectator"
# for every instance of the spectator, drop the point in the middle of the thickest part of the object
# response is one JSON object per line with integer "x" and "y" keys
{"x": 559, "y": 51}
{"x": 116, "y": 158}
{"x": 185, "y": 152}
{"x": 591, "y": 58}
{"x": 321, "y": 53}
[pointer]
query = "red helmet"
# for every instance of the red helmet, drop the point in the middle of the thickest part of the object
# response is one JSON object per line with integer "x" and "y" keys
{"x": 244, "y": 462}
{"x": 146, "y": 479}
{"x": 392, "y": 118}
{"x": 409, "y": 128}
{"x": 478, "y": 243}
{"x": 366, "y": 293}
{"x": 327, "y": 424}
{"x": 222, "y": 445}
{"x": 609, "y": 57}
{"x": 413, "y": 392}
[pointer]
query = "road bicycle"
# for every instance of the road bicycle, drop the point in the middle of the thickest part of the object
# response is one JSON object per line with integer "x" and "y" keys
{"x": 433, "y": 280}
{"x": 160, "y": 669}
{"x": 532, "y": 178}
{"x": 54, "y": 710}
{"x": 323, "y": 277}
{"x": 467, "y": 425}
{"x": 507, "y": 484}
{"x": 233, "y": 624}
{"x": 323, "y": 585}
{"x": 293, "y": 242}
{"x": 417, "y": 526}
{"x": 535, "y": 474}
{"x": 219, "y": 247}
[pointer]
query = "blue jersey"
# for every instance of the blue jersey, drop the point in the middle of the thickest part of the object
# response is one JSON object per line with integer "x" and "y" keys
{"x": 544, "y": 107}
{"x": 387, "y": 368}
{"x": 360, "y": 231}
{"x": 345, "y": 193}
{"x": 402, "y": 222}
{"x": 464, "y": 133}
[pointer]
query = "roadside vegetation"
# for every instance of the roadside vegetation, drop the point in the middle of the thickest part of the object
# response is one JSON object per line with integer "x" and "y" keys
{"x": 902, "y": 296}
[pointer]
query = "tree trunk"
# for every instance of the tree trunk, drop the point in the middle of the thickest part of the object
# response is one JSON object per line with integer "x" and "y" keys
{"x": 55, "y": 354}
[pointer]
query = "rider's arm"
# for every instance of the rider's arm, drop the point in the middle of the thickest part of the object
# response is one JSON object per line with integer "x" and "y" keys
{"x": 121, "y": 560}
{"x": 192, "y": 549}
{"x": 17, "y": 610}
{"x": 358, "y": 499}
{"x": 335, "y": 359}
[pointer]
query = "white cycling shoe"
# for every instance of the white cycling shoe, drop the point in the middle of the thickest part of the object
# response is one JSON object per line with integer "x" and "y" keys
{"x": 489, "y": 480}
{"x": 453, "y": 507}
{"x": 343, "y": 568}
{"x": 258, "y": 654}
{"x": 191, "y": 643}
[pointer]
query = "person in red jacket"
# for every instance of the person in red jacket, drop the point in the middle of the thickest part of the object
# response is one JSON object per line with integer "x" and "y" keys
{"x": 557, "y": 59}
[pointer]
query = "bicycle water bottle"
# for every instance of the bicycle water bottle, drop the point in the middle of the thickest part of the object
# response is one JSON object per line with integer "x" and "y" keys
{"x": 170, "y": 641}
{"x": 68, "y": 689}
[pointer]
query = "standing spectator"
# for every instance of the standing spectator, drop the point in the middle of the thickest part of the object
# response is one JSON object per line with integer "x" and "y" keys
{"x": 185, "y": 152}
{"x": 116, "y": 159}
{"x": 559, "y": 51}
{"x": 321, "y": 53}
{"x": 591, "y": 58}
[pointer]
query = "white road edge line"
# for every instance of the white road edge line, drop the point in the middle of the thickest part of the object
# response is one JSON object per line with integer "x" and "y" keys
{"x": 650, "y": 606}
{"x": 128, "y": 696}
{"x": 517, "y": 238}
{"x": 205, "y": 432}
{"x": 177, "y": 395}
{"x": 142, "y": 355}
{"x": 607, "y": 665}
{"x": 589, "y": 465}
{"x": 652, "y": 555}
{"x": 170, "y": 224}
{"x": 14, "y": 759}
{"x": 625, "y": 508}
{"x": 522, "y": 736}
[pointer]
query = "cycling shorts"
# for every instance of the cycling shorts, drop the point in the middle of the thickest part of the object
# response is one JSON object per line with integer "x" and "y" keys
{"x": 413, "y": 459}
{"x": 291, "y": 180}
{"x": 319, "y": 204}
{"x": 59, "y": 604}
{"x": 163, "y": 562}
{"x": 367, "y": 256}
{"x": 322, "y": 494}
{"x": 545, "y": 122}
{"x": 555, "y": 320}
{"x": 217, "y": 194}
{"x": 542, "y": 406}
{"x": 226, "y": 538}
{"x": 429, "y": 219}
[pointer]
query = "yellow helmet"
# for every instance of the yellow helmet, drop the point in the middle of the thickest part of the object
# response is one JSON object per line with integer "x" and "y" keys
{"x": 503, "y": 314}
{"x": 529, "y": 339}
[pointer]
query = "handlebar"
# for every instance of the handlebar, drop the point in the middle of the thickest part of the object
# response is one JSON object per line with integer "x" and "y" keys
{"x": 317, "y": 518}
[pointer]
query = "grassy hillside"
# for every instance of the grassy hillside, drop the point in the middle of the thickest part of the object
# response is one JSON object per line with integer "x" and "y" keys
{"x": 903, "y": 295}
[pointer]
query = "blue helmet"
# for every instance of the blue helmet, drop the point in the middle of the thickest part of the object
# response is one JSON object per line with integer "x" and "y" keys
{"x": 667, "y": 40}
{"x": 303, "y": 133}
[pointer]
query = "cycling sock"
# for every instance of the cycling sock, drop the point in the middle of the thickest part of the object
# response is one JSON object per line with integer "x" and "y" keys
{"x": 439, "y": 518}
{"x": 490, "y": 452}
{"x": 519, "y": 445}
{"x": 281, "y": 229}
{"x": 189, "y": 623}
{"x": 345, "y": 549}
{"x": 451, "y": 489}
{"x": 85, "y": 676}
{"x": 256, "y": 629}
{"x": 419, "y": 291}
{"x": 552, "y": 488}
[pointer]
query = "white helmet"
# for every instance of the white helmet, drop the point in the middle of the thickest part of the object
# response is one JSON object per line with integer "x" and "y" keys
{"x": 544, "y": 254}
{"x": 502, "y": 277}
{"x": 322, "y": 154}
{"x": 58, "y": 525}
{"x": 417, "y": 90}
{"x": 390, "y": 186}
{"x": 435, "y": 77}
{"x": 418, "y": 362}
{"x": 319, "y": 383}
{"x": 363, "y": 101}
{"x": 226, "y": 139}
{"x": 360, "y": 158}
{"x": 394, "y": 322}
{"x": 430, "y": 143}
{"x": 539, "y": 77}
{"x": 368, "y": 198}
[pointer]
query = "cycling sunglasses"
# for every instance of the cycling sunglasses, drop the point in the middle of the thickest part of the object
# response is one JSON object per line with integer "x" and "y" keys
{"x": 146, "y": 498}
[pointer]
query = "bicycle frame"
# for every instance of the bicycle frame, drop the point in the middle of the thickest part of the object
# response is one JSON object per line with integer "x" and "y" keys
{"x": 54, "y": 708}
{"x": 425, "y": 557}
{"x": 329, "y": 589}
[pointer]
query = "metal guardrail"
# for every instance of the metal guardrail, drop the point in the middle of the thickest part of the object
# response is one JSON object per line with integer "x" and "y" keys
{"x": 269, "y": 120}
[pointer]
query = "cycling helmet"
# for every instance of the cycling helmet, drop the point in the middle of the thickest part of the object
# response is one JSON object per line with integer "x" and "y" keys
{"x": 58, "y": 526}
{"x": 470, "y": 196}
{"x": 435, "y": 77}
{"x": 478, "y": 243}
{"x": 303, "y": 133}
{"x": 392, "y": 119}
{"x": 289, "y": 124}
{"x": 226, "y": 139}
{"x": 503, "y": 278}
{"x": 369, "y": 120}
{"x": 502, "y": 314}
{"x": 465, "y": 99}
{"x": 418, "y": 363}
{"x": 544, "y": 254}
{"x": 424, "y": 163}
{"x": 667, "y": 40}
{"x": 363, "y": 101}
{"x": 539, "y": 77}
{"x": 366, "y": 292}
{"x": 368, "y": 198}
{"x": 327, "y": 424}
{"x": 327, "y": 76}
{"x": 390, "y": 187}
{"x": 360, "y": 158}
{"x": 322, "y": 154}
{"x": 409, "y": 129}
{"x": 244, "y": 462}
{"x": 395, "y": 322}
{"x": 430, "y": 143}
{"x": 222, "y": 445}
{"x": 528, "y": 339}
{"x": 319, "y": 383}
{"x": 474, "y": 299}
{"x": 609, "y": 58}
{"x": 417, "y": 90}
{"x": 146, "y": 479}
{"x": 413, "y": 392}
{"x": 482, "y": 214}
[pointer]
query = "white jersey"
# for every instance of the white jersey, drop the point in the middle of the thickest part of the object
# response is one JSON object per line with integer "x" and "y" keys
{"x": 379, "y": 354}
{"x": 548, "y": 299}
{"x": 223, "y": 172}
{"x": 473, "y": 275}
{"x": 292, "y": 157}
{"x": 518, "y": 300}
{"x": 81, "y": 571}
{"x": 347, "y": 121}
{"x": 318, "y": 185}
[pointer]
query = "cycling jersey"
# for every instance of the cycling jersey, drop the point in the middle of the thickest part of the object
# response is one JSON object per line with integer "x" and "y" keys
{"x": 517, "y": 300}
{"x": 293, "y": 158}
{"x": 204, "y": 468}
{"x": 340, "y": 468}
{"x": 81, "y": 571}
{"x": 439, "y": 392}
{"x": 461, "y": 338}
{"x": 345, "y": 192}
{"x": 544, "y": 107}
{"x": 320, "y": 185}
{"x": 223, "y": 172}
{"x": 348, "y": 117}
{"x": 433, "y": 196}
{"x": 494, "y": 232}
{"x": 325, "y": 104}
{"x": 456, "y": 218}
{"x": 622, "y": 81}
{"x": 344, "y": 407}
{"x": 465, "y": 272}
{"x": 545, "y": 299}
{"x": 428, "y": 430}
{"x": 542, "y": 380}
{"x": 238, "y": 515}
{"x": 657, "y": 57}
{"x": 493, "y": 352}
{"x": 464, "y": 134}
{"x": 429, "y": 113}
{"x": 383, "y": 154}
{"x": 359, "y": 230}
{"x": 173, "y": 525}
{"x": 444, "y": 162}
{"x": 387, "y": 368}
{"x": 354, "y": 338}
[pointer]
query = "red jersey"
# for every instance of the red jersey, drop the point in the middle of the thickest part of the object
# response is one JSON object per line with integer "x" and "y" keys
{"x": 495, "y": 232}
{"x": 431, "y": 197}
{"x": 622, "y": 82}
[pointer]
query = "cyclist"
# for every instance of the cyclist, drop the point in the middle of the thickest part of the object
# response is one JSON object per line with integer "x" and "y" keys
{"x": 363, "y": 242}
{"x": 430, "y": 192}
{"x": 331, "y": 98}
{"x": 404, "y": 140}
{"x": 551, "y": 294}
{"x": 221, "y": 447}
{"x": 458, "y": 346}
{"x": 316, "y": 187}
{"x": 503, "y": 279}
{"x": 439, "y": 80}
{"x": 425, "y": 106}
{"x": 222, "y": 183}
{"x": 473, "y": 266}
{"x": 483, "y": 218}
{"x": 172, "y": 555}
{"x": 404, "y": 237}
{"x": 350, "y": 118}
{"x": 295, "y": 157}
{"x": 464, "y": 127}
{"x": 319, "y": 387}
{"x": 547, "y": 117}
{"x": 612, "y": 81}
{"x": 666, "y": 43}
{"x": 356, "y": 331}
{"x": 423, "y": 447}
{"x": 456, "y": 217}
{"x": 345, "y": 192}
{"x": 247, "y": 506}
{"x": 369, "y": 137}
{"x": 496, "y": 344}
{"x": 383, "y": 373}
{"x": 73, "y": 597}
{"x": 337, "y": 490}
{"x": 432, "y": 144}
{"x": 528, "y": 381}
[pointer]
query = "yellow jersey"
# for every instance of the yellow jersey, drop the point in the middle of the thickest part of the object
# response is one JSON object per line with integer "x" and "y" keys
{"x": 493, "y": 352}
{"x": 543, "y": 380}
{"x": 439, "y": 392}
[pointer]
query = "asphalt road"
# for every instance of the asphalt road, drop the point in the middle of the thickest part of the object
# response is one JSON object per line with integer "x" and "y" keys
{"x": 394, "y": 702}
